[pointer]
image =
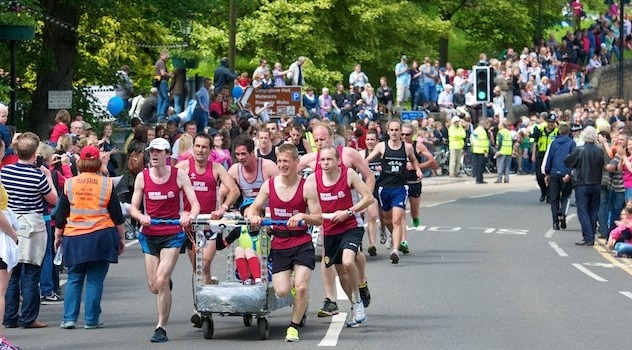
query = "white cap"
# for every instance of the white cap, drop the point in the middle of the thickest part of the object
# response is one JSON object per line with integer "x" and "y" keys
{"x": 160, "y": 144}
{"x": 456, "y": 119}
{"x": 448, "y": 86}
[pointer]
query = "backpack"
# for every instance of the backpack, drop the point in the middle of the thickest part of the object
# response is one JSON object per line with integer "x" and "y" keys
{"x": 136, "y": 162}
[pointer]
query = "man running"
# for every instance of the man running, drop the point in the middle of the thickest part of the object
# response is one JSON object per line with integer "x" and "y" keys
{"x": 392, "y": 184}
{"x": 205, "y": 176}
{"x": 290, "y": 198}
{"x": 160, "y": 188}
{"x": 265, "y": 150}
{"x": 413, "y": 183}
{"x": 324, "y": 136}
{"x": 343, "y": 229}
{"x": 374, "y": 209}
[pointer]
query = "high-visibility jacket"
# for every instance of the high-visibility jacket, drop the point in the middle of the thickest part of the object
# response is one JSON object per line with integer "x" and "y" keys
{"x": 310, "y": 138}
{"x": 504, "y": 142}
{"x": 456, "y": 137}
{"x": 480, "y": 141}
{"x": 88, "y": 195}
{"x": 546, "y": 137}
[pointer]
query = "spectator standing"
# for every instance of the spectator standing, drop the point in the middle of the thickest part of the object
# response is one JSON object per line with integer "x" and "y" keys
{"x": 279, "y": 74}
{"x": 161, "y": 76}
{"x": 358, "y": 78}
{"x": 504, "y": 143}
{"x": 28, "y": 188}
{"x": 223, "y": 76}
{"x": 384, "y": 97}
{"x": 403, "y": 78}
{"x": 178, "y": 89}
{"x": 456, "y": 143}
{"x": 124, "y": 86}
{"x": 430, "y": 75}
{"x": 202, "y": 108}
{"x": 295, "y": 71}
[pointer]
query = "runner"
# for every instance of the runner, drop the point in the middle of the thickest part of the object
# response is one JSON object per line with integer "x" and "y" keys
{"x": 324, "y": 136}
{"x": 413, "y": 183}
{"x": 392, "y": 185}
{"x": 266, "y": 149}
{"x": 204, "y": 177}
{"x": 374, "y": 209}
{"x": 343, "y": 230}
{"x": 291, "y": 248}
{"x": 160, "y": 188}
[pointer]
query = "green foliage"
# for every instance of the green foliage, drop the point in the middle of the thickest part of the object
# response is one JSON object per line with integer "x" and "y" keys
{"x": 18, "y": 13}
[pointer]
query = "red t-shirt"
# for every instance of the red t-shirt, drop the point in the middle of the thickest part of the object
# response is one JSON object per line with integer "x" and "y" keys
{"x": 282, "y": 210}
{"x": 162, "y": 202}
{"x": 336, "y": 197}
{"x": 205, "y": 188}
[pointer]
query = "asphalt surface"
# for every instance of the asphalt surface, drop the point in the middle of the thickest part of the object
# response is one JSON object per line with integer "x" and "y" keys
{"x": 485, "y": 272}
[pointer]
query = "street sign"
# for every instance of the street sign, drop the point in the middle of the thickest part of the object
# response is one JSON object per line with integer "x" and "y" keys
{"x": 59, "y": 99}
{"x": 283, "y": 100}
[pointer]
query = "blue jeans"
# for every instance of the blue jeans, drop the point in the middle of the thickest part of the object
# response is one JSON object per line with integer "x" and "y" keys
{"x": 604, "y": 211}
{"x": 26, "y": 277}
{"x": 617, "y": 202}
{"x": 46, "y": 279}
{"x": 623, "y": 248}
{"x": 94, "y": 274}
{"x": 587, "y": 199}
{"x": 201, "y": 118}
{"x": 163, "y": 100}
{"x": 503, "y": 165}
{"x": 430, "y": 91}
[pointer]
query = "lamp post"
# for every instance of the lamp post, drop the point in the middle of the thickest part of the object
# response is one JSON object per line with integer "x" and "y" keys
{"x": 186, "y": 26}
{"x": 621, "y": 49}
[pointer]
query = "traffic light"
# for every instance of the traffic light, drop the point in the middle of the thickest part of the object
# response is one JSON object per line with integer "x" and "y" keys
{"x": 483, "y": 84}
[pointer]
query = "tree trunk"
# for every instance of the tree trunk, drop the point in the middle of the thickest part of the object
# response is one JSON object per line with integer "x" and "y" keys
{"x": 443, "y": 51}
{"x": 55, "y": 72}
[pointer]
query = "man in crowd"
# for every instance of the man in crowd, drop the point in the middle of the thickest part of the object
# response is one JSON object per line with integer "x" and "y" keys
{"x": 456, "y": 143}
{"x": 161, "y": 76}
{"x": 29, "y": 189}
{"x": 160, "y": 189}
{"x": 480, "y": 149}
{"x": 558, "y": 175}
{"x": 543, "y": 135}
{"x": 587, "y": 162}
{"x": 294, "y": 199}
{"x": 402, "y": 76}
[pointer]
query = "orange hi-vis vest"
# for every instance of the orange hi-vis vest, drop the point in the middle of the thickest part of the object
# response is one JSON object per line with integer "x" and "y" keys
{"x": 88, "y": 195}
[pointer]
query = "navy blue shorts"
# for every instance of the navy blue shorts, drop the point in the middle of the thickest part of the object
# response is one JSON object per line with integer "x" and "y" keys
{"x": 154, "y": 244}
{"x": 392, "y": 197}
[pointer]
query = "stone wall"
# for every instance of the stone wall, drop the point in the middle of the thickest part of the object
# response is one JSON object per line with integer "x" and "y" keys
{"x": 604, "y": 82}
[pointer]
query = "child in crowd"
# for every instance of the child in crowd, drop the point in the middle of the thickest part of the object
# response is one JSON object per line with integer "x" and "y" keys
{"x": 621, "y": 237}
{"x": 62, "y": 119}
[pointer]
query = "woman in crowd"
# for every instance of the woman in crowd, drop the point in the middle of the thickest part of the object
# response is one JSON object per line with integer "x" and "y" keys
{"x": 91, "y": 233}
{"x": 105, "y": 144}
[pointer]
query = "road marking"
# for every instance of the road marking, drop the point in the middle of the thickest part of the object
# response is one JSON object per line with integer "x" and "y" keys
{"x": 486, "y": 195}
{"x": 589, "y": 273}
{"x": 335, "y": 327}
{"x": 340, "y": 293}
{"x": 549, "y": 233}
{"x": 439, "y": 203}
{"x": 557, "y": 249}
{"x": 131, "y": 243}
{"x": 608, "y": 256}
{"x": 627, "y": 294}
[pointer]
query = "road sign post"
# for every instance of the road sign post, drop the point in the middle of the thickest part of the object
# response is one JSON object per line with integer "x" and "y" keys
{"x": 283, "y": 100}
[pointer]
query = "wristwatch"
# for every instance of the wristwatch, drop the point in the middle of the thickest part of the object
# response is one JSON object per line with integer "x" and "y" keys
{"x": 350, "y": 213}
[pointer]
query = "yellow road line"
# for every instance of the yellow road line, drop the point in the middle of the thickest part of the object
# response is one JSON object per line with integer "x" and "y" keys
{"x": 601, "y": 249}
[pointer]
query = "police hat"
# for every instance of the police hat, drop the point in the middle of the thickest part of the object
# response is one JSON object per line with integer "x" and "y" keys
{"x": 551, "y": 118}
{"x": 576, "y": 127}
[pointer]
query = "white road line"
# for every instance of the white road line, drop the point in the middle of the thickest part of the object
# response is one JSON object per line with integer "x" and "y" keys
{"x": 557, "y": 249}
{"x": 627, "y": 294}
{"x": 340, "y": 293}
{"x": 439, "y": 203}
{"x": 335, "y": 327}
{"x": 570, "y": 217}
{"x": 131, "y": 243}
{"x": 589, "y": 273}
{"x": 549, "y": 233}
{"x": 486, "y": 195}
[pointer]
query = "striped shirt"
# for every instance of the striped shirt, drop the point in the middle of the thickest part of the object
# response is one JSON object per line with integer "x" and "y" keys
{"x": 26, "y": 187}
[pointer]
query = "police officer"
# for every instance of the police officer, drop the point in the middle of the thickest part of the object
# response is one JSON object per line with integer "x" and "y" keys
{"x": 480, "y": 149}
{"x": 543, "y": 136}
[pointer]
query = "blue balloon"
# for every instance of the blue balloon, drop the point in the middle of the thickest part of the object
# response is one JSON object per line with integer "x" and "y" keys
{"x": 237, "y": 91}
{"x": 115, "y": 105}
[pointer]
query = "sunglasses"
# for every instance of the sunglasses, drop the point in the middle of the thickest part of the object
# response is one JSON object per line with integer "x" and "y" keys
{"x": 403, "y": 134}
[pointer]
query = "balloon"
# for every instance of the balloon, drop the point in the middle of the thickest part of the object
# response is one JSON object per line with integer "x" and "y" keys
{"x": 238, "y": 91}
{"x": 115, "y": 105}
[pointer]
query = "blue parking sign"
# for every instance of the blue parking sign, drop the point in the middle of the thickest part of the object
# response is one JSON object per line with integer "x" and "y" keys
{"x": 296, "y": 96}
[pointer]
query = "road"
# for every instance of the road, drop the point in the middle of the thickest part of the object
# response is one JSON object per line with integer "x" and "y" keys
{"x": 485, "y": 272}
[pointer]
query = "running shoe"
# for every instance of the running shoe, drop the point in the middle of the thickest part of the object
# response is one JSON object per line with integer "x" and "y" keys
{"x": 383, "y": 234}
{"x": 6, "y": 345}
{"x": 372, "y": 250}
{"x": 160, "y": 336}
{"x": 416, "y": 222}
{"x": 291, "y": 335}
{"x": 394, "y": 257}
{"x": 350, "y": 321}
{"x": 365, "y": 295}
{"x": 94, "y": 326}
{"x": 403, "y": 247}
{"x": 389, "y": 242}
{"x": 358, "y": 312}
{"x": 329, "y": 308}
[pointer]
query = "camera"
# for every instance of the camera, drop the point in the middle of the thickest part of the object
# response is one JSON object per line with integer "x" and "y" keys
{"x": 39, "y": 161}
